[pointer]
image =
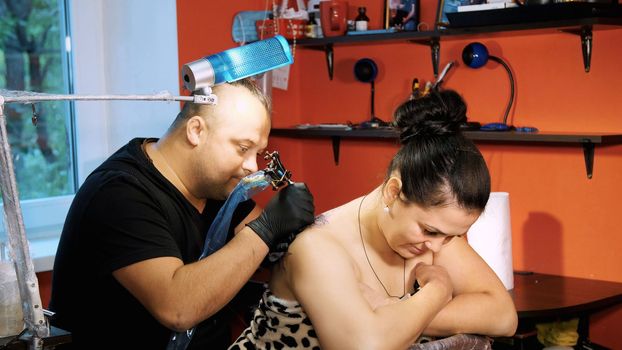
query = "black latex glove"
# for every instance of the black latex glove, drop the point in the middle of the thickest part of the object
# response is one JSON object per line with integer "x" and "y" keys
{"x": 289, "y": 211}
{"x": 279, "y": 249}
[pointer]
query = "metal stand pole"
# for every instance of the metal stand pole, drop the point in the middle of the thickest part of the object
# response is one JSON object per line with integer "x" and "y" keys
{"x": 26, "y": 278}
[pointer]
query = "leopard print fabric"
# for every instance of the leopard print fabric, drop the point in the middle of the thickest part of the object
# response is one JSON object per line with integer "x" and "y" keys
{"x": 282, "y": 324}
{"x": 278, "y": 324}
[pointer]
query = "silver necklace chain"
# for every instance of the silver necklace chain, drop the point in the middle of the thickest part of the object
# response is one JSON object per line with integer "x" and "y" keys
{"x": 369, "y": 262}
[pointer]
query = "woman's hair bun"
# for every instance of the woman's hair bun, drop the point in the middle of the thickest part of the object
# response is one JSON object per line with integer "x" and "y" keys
{"x": 435, "y": 114}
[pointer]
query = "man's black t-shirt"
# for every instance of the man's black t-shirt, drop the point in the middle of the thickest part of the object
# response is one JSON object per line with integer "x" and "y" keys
{"x": 124, "y": 213}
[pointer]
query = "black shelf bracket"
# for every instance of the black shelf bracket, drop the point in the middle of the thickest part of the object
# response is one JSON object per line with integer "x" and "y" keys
{"x": 588, "y": 154}
{"x": 586, "y": 47}
{"x": 435, "y": 47}
{"x": 585, "y": 32}
{"x": 336, "y": 144}
{"x": 328, "y": 50}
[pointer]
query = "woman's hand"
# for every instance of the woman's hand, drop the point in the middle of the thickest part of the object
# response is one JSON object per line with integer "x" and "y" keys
{"x": 480, "y": 303}
{"x": 434, "y": 275}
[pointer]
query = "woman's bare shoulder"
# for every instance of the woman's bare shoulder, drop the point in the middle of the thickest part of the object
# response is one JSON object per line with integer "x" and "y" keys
{"x": 333, "y": 227}
{"x": 317, "y": 235}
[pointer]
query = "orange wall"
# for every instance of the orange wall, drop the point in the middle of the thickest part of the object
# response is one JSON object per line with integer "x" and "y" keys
{"x": 562, "y": 223}
{"x": 45, "y": 286}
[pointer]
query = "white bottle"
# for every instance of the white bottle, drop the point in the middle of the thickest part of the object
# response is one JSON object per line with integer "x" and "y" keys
{"x": 361, "y": 20}
{"x": 11, "y": 316}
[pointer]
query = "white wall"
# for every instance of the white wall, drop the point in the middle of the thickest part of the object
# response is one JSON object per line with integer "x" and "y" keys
{"x": 122, "y": 47}
{"x": 89, "y": 72}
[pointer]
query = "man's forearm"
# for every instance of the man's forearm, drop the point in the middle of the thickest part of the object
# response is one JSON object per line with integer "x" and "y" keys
{"x": 204, "y": 287}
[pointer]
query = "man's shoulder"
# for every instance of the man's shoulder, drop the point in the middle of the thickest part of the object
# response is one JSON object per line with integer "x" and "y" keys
{"x": 121, "y": 186}
{"x": 128, "y": 162}
{"x": 128, "y": 157}
{"x": 109, "y": 178}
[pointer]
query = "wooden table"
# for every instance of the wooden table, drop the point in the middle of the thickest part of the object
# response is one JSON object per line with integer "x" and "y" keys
{"x": 545, "y": 298}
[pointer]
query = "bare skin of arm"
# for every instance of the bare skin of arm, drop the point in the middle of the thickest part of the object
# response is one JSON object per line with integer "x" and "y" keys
{"x": 477, "y": 295}
{"x": 180, "y": 296}
{"x": 481, "y": 304}
{"x": 322, "y": 277}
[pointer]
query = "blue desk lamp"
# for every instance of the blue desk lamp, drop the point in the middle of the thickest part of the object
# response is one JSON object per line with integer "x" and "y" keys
{"x": 475, "y": 55}
{"x": 235, "y": 64}
{"x": 366, "y": 71}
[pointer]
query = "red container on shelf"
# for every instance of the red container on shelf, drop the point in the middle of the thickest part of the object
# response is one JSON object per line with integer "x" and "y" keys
{"x": 289, "y": 28}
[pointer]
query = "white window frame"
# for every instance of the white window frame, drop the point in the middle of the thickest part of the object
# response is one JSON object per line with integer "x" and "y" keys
{"x": 119, "y": 47}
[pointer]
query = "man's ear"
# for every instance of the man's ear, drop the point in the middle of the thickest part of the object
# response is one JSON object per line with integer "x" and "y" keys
{"x": 195, "y": 127}
{"x": 391, "y": 190}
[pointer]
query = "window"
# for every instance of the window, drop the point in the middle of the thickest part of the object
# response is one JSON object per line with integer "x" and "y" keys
{"x": 115, "y": 49}
{"x": 33, "y": 57}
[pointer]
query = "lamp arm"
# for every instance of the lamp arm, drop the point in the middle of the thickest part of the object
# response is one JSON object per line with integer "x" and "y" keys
{"x": 511, "y": 76}
{"x": 373, "y": 92}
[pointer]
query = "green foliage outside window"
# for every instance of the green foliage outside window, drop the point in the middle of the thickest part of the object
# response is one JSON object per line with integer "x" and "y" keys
{"x": 33, "y": 58}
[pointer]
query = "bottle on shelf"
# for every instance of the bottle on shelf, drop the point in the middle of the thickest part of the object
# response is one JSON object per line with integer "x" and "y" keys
{"x": 311, "y": 28}
{"x": 313, "y": 7}
{"x": 361, "y": 21}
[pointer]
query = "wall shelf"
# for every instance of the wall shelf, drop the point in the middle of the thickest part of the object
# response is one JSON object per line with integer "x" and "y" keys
{"x": 582, "y": 27}
{"x": 586, "y": 140}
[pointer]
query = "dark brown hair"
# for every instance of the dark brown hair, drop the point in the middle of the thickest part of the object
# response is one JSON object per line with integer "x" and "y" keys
{"x": 437, "y": 164}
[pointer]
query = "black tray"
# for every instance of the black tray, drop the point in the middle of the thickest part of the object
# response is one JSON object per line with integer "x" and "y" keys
{"x": 533, "y": 13}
